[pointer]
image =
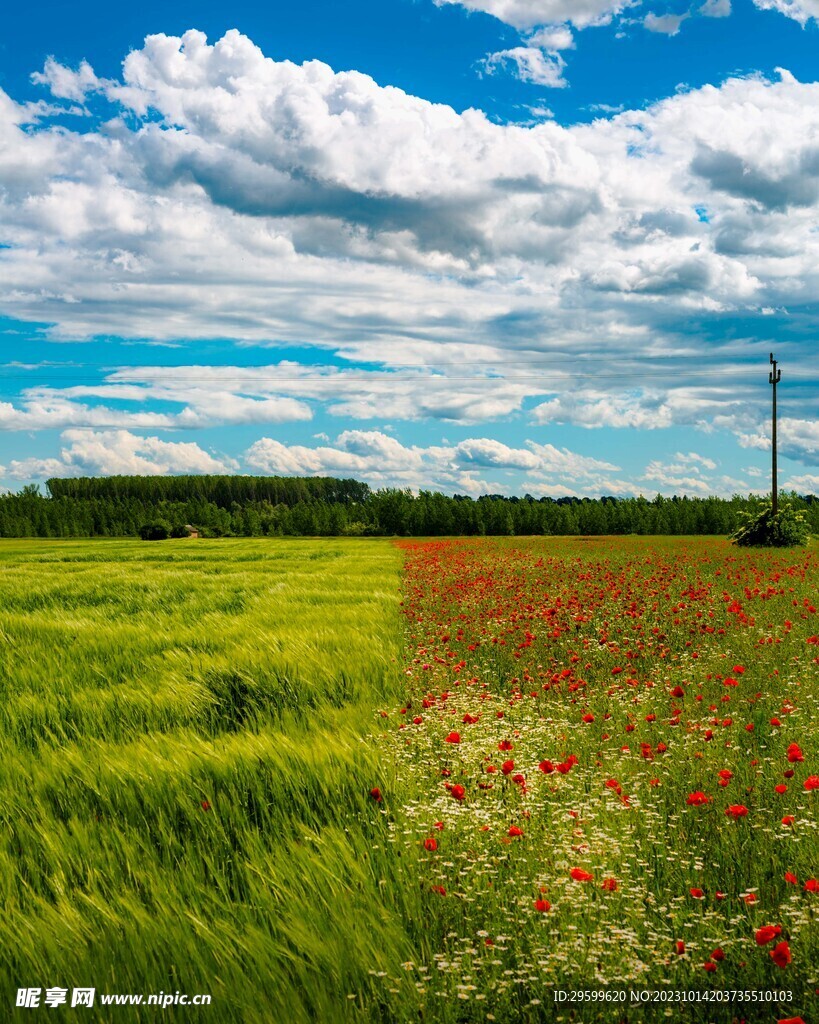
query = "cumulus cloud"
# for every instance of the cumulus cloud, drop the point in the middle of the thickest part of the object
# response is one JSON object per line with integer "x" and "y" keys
{"x": 486, "y": 452}
{"x": 240, "y": 197}
{"x": 667, "y": 24}
{"x": 797, "y": 439}
{"x": 42, "y": 408}
{"x": 528, "y": 14}
{"x": 113, "y": 452}
{"x": 553, "y": 38}
{"x": 382, "y": 460}
{"x": 687, "y": 474}
{"x": 532, "y": 64}
{"x": 807, "y": 483}
{"x": 800, "y": 10}
{"x": 369, "y": 455}
{"x": 715, "y": 9}
{"x": 66, "y": 84}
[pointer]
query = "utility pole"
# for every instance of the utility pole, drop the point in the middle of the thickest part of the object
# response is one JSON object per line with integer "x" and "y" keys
{"x": 774, "y": 378}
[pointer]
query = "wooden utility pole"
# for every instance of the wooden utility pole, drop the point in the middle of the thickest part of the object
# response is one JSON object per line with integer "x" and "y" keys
{"x": 774, "y": 378}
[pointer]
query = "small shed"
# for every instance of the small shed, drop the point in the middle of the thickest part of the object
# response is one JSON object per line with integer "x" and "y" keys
{"x": 191, "y": 531}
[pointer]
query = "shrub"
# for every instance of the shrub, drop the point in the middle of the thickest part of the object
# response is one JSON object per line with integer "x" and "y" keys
{"x": 759, "y": 527}
{"x": 157, "y": 530}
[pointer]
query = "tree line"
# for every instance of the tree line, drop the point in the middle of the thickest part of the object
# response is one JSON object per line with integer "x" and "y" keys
{"x": 293, "y": 507}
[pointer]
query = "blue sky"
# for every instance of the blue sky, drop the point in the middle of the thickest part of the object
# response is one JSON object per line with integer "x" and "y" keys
{"x": 533, "y": 246}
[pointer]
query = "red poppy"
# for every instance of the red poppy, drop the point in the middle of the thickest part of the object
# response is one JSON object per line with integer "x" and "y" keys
{"x": 679, "y": 947}
{"x": 205, "y": 805}
{"x": 506, "y": 745}
{"x": 811, "y": 885}
{"x": 375, "y": 793}
{"x": 698, "y": 798}
{"x": 790, "y": 1020}
{"x": 431, "y": 844}
{"x": 588, "y": 717}
{"x": 781, "y": 788}
{"x": 698, "y": 894}
{"x": 515, "y": 831}
{"x": 458, "y": 792}
{"x": 453, "y": 737}
{"x": 791, "y": 879}
{"x": 579, "y": 875}
{"x": 546, "y": 767}
{"x": 708, "y": 966}
{"x": 543, "y": 906}
{"x": 788, "y": 819}
{"x": 610, "y": 884}
{"x": 718, "y": 954}
{"x": 767, "y": 934}
{"x": 781, "y": 954}
{"x": 736, "y": 811}
{"x": 795, "y": 754}
{"x": 812, "y": 782}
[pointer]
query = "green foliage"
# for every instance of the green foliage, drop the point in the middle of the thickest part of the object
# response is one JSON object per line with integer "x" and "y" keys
{"x": 221, "y": 490}
{"x": 185, "y": 787}
{"x": 293, "y": 507}
{"x": 759, "y": 527}
{"x": 160, "y": 529}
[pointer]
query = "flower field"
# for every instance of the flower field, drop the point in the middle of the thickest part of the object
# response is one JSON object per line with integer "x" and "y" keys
{"x": 612, "y": 750}
{"x": 375, "y": 781}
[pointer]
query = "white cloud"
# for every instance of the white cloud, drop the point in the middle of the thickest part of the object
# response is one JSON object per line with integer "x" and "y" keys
{"x": 715, "y": 8}
{"x": 528, "y": 14}
{"x": 687, "y": 475}
{"x": 553, "y": 38}
{"x": 112, "y": 452}
{"x": 486, "y": 452}
{"x": 383, "y": 461}
{"x": 796, "y": 439}
{"x": 800, "y": 10}
{"x": 532, "y": 65}
{"x": 66, "y": 84}
{"x": 240, "y": 197}
{"x": 808, "y": 483}
{"x": 42, "y": 408}
{"x": 667, "y": 24}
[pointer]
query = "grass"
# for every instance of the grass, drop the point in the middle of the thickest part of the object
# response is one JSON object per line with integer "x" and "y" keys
{"x": 181, "y": 760}
{"x": 567, "y": 699}
{"x": 190, "y": 733}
